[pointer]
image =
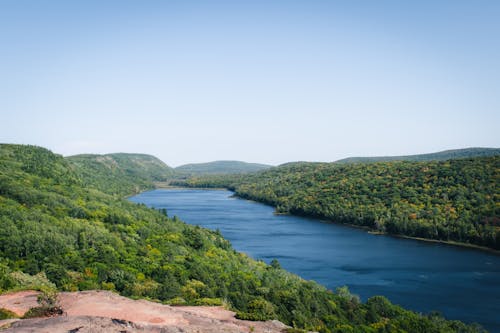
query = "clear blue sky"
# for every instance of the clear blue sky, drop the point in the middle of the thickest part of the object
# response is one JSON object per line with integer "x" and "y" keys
{"x": 259, "y": 81}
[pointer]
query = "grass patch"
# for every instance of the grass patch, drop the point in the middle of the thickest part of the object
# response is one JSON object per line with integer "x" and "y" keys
{"x": 7, "y": 314}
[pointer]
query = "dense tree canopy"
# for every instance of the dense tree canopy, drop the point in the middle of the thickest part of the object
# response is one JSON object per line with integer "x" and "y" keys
{"x": 219, "y": 167}
{"x": 120, "y": 174}
{"x": 439, "y": 156}
{"x": 54, "y": 231}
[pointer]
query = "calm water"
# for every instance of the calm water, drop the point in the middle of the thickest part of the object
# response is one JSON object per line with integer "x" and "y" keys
{"x": 460, "y": 283}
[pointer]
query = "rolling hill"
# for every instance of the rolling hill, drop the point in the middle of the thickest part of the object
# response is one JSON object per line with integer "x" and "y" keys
{"x": 120, "y": 173}
{"x": 439, "y": 156}
{"x": 221, "y": 167}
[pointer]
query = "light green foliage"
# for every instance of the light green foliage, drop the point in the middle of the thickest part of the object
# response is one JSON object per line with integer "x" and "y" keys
{"x": 23, "y": 281}
{"x": 259, "y": 309}
{"x": 82, "y": 238}
{"x": 209, "y": 301}
{"x": 120, "y": 174}
{"x": 192, "y": 290}
{"x": 176, "y": 301}
{"x": 220, "y": 167}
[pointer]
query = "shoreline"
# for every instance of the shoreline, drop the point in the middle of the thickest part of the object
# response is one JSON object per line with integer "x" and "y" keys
{"x": 452, "y": 243}
{"x": 177, "y": 187}
{"x": 381, "y": 233}
{"x": 420, "y": 239}
{"x": 365, "y": 228}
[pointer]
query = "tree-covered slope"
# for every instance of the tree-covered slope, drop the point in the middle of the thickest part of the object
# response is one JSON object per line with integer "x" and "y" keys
{"x": 439, "y": 156}
{"x": 455, "y": 200}
{"x": 82, "y": 238}
{"x": 220, "y": 167}
{"x": 120, "y": 173}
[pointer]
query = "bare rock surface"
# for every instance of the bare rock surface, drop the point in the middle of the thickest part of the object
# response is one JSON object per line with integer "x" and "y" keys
{"x": 19, "y": 302}
{"x": 104, "y": 311}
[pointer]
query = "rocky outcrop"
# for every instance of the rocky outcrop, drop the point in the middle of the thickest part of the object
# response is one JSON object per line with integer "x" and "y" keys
{"x": 104, "y": 311}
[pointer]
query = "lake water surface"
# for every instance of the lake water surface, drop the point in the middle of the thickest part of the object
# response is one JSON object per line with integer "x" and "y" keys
{"x": 460, "y": 283}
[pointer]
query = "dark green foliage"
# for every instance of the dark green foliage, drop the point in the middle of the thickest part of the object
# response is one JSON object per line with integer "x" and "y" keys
{"x": 455, "y": 200}
{"x": 121, "y": 174}
{"x": 42, "y": 311}
{"x": 82, "y": 238}
{"x": 6, "y": 314}
{"x": 48, "y": 305}
{"x": 220, "y": 167}
{"x": 211, "y": 181}
{"x": 275, "y": 264}
{"x": 440, "y": 156}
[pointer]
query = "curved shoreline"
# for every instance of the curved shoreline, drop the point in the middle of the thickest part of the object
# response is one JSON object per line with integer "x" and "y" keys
{"x": 367, "y": 229}
{"x": 452, "y": 243}
{"x": 376, "y": 232}
{"x": 421, "y": 239}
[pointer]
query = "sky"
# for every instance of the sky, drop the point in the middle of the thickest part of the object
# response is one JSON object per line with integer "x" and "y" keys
{"x": 259, "y": 81}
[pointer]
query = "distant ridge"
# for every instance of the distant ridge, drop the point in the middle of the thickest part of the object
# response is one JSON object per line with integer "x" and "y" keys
{"x": 221, "y": 167}
{"x": 439, "y": 156}
{"x": 120, "y": 173}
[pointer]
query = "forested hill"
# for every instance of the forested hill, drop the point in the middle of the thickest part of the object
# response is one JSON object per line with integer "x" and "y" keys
{"x": 439, "y": 156}
{"x": 455, "y": 200}
{"x": 220, "y": 167}
{"x": 57, "y": 233}
{"x": 121, "y": 173}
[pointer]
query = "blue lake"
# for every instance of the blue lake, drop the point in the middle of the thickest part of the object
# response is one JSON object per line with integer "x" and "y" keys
{"x": 460, "y": 283}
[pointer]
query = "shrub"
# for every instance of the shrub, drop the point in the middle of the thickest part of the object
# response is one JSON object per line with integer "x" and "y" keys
{"x": 7, "y": 314}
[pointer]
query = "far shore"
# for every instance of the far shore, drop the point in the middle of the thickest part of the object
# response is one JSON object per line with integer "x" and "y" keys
{"x": 161, "y": 186}
{"x": 454, "y": 243}
{"x": 367, "y": 229}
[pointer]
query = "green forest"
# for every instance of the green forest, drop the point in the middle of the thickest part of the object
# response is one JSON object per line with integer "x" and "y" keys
{"x": 455, "y": 200}
{"x": 60, "y": 226}
{"x": 219, "y": 167}
{"x": 439, "y": 156}
{"x": 120, "y": 174}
